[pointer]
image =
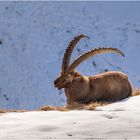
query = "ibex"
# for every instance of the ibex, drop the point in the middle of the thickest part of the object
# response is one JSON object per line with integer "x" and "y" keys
{"x": 109, "y": 86}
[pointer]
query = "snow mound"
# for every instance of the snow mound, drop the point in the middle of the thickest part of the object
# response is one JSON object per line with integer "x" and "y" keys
{"x": 130, "y": 104}
{"x": 115, "y": 121}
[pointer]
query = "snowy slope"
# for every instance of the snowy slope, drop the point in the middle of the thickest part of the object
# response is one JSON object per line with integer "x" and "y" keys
{"x": 116, "y": 121}
{"x": 34, "y": 35}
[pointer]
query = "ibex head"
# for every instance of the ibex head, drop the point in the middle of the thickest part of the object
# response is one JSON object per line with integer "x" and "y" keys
{"x": 68, "y": 73}
{"x": 63, "y": 81}
{"x": 66, "y": 77}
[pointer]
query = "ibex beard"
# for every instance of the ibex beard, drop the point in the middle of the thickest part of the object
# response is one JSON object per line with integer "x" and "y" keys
{"x": 109, "y": 86}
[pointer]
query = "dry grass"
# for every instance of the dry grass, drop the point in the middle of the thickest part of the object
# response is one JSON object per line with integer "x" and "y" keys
{"x": 136, "y": 91}
{"x": 6, "y": 111}
{"x": 49, "y": 108}
{"x": 2, "y": 111}
{"x": 74, "y": 106}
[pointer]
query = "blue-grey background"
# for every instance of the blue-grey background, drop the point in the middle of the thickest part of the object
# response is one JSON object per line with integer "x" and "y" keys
{"x": 34, "y": 35}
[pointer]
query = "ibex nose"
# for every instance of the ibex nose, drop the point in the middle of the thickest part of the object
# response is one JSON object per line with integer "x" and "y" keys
{"x": 55, "y": 83}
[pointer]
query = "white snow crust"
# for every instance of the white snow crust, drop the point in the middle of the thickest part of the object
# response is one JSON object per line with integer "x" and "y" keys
{"x": 112, "y": 122}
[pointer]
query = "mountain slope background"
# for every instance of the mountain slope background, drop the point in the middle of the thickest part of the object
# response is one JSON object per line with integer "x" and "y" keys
{"x": 34, "y": 36}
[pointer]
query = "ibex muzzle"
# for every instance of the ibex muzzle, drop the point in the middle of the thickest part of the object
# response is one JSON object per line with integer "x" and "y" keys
{"x": 63, "y": 81}
{"x": 108, "y": 87}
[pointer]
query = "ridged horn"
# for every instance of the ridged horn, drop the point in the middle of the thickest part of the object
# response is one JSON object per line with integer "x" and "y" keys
{"x": 68, "y": 52}
{"x": 91, "y": 53}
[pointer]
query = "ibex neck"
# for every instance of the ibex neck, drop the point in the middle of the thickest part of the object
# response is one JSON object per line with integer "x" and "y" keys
{"x": 78, "y": 90}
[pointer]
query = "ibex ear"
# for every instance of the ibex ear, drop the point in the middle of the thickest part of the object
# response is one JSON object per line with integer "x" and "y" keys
{"x": 77, "y": 74}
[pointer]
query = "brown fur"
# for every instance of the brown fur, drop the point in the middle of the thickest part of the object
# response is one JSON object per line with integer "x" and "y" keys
{"x": 106, "y": 87}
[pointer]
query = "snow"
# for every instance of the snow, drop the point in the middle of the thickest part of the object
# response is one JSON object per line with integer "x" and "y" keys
{"x": 115, "y": 121}
{"x": 34, "y": 36}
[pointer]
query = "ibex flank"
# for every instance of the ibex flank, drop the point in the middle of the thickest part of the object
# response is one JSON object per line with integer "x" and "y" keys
{"x": 109, "y": 86}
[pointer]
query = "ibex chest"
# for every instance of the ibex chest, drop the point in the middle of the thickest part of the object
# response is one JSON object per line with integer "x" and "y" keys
{"x": 78, "y": 90}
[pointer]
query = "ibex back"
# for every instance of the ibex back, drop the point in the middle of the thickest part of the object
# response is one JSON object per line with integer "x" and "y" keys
{"x": 107, "y": 87}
